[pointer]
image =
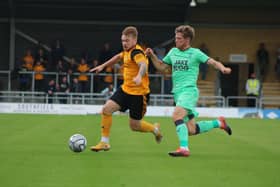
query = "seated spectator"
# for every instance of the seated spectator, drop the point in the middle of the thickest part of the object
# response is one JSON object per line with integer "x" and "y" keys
{"x": 24, "y": 79}
{"x": 39, "y": 77}
{"x": 65, "y": 88}
{"x": 83, "y": 68}
{"x": 119, "y": 70}
{"x": 75, "y": 88}
{"x": 108, "y": 91}
{"x": 72, "y": 66}
{"x": 50, "y": 90}
{"x": 61, "y": 68}
{"x": 96, "y": 79}
{"x": 109, "y": 77}
{"x": 42, "y": 57}
{"x": 28, "y": 60}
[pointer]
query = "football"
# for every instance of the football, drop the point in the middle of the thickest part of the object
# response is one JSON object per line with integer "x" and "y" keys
{"x": 77, "y": 143}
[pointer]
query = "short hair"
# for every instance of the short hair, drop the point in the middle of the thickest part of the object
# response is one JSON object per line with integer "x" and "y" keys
{"x": 186, "y": 30}
{"x": 130, "y": 30}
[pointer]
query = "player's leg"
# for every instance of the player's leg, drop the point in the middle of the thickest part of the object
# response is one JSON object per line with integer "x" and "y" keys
{"x": 182, "y": 132}
{"x": 115, "y": 103}
{"x": 205, "y": 126}
{"x": 106, "y": 123}
{"x": 144, "y": 126}
{"x": 137, "y": 108}
{"x": 185, "y": 106}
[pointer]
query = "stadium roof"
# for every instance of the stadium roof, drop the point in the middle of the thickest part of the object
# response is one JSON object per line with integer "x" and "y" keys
{"x": 125, "y": 10}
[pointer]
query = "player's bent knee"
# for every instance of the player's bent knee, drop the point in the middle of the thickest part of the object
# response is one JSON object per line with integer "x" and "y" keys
{"x": 134, "y": 126}
{"x": 106, "y": 111}
{"x": 191, "y": 128}
{"x": 192, "y": 132}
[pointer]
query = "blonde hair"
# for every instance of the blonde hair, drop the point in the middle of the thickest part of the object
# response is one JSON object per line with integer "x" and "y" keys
{"x": 130, "y": 30}
{"x": 186, "y": 30}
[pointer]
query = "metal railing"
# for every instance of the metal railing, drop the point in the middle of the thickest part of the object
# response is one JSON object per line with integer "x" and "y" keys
{"x": 58, "y": 97}
{"x": 155, "y": 99}
{"x": 156, "y": 88}
{"x": 241, "y": 98}
{"x": 94, "y": 98}
{"x": 208, "y": 101}
{"x": 269, "y": 102}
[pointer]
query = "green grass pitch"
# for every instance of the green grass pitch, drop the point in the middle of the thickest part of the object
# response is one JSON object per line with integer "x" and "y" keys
{"x": 34, "y": 153}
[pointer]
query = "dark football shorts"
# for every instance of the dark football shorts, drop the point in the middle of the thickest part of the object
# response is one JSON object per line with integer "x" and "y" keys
{"x": 136, "y": 104}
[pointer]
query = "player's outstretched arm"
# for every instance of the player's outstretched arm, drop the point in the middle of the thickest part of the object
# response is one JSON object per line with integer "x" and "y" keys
{"x": 109, "y": 62}
{"x": 159, "y": 65}
{"x": 219, "y": 66}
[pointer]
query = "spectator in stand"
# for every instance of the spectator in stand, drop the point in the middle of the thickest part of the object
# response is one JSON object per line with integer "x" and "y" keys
{"x": 119, "y": 70}
{"x": 108, "y": 91}
{"x": 109, "y": 77}
{"x": 86, "y": 55}
{"x": 203, "y": 67}
{"x": 83, "y": 68}
{"x": 39, "y": 77}
{"x": 24, "y": 79}
{"x": 50, "y": 90}
{"x": 167, "y": 82}
{"x": 105, "y": 53}
{"x": 72, "y": 67}
{"x": 28, "y": 60}
{"x": 160, "y": 52}
{"x": 65, "y": 88}
{"x": 277, "y": 65}
{"x": 61, "y": 68}
{"x": 263, "y": 61}
{"x": 42, "y": 57}
{"x": 96, "y": 78}
{"x": 57, "y": 53}
{"x": 252, "y": 90}
{"x": 76, "y": 88}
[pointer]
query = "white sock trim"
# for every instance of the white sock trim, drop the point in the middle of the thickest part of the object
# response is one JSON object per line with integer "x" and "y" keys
{"x": 105, "y": 139}
{"x": 186, "y": 148}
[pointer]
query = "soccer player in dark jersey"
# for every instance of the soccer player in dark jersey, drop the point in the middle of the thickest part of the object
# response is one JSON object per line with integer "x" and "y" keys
{"x": 133, "y": 94}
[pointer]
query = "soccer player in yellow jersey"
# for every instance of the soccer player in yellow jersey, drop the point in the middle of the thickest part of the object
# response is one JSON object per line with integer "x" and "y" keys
{"x": 133, "y": 94}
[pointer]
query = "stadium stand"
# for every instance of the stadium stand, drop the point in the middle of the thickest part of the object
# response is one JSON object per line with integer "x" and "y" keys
{"x": 271, "y": 91}
{"x": 208, "y": 96}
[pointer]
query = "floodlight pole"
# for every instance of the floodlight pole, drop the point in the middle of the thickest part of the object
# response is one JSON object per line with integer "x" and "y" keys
{"x": 12, "y": 37}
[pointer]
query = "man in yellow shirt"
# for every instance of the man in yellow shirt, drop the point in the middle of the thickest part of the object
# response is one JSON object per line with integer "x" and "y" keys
{"x": 133, "y": 94}
{"x": 252, "y": 90}
{"x": 83, "y": 78}
{"x": 39, "y": 77}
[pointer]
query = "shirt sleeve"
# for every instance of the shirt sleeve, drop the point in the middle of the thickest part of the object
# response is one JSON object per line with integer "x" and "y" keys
{"x": 202, "y": 57}
{"x": 138, "y": 56}
{"x": 167, "y": 59}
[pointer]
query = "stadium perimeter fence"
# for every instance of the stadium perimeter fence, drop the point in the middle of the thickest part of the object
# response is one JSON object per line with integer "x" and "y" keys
{"x": 156, "y": 99}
